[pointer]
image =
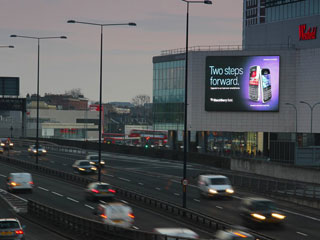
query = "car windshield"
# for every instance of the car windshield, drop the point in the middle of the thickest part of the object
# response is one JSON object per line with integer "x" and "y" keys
{"x": 94, "y": 157}
{"x": 103, "y": 187}
{"x": 263, "y": 205}
{"x": 8, "y": 224}
{"x": 85, "y": 163}
{"x": 219, "y": 181}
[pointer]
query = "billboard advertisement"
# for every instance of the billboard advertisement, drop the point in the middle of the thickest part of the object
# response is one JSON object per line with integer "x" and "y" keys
{"x": 242, "y": 83}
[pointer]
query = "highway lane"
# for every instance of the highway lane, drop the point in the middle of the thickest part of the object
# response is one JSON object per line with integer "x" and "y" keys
{"x": 70, "y": 198}
{"x": 161, "y": 179}
{"x": 32, "y": 231}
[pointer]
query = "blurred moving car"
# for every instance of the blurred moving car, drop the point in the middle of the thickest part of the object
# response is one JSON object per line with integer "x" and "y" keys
{"x": 233, "y": 235}
{"x": 98, "y": 190}
{"x": 174, "y": 233}
{"x": 19, "y": 181}
{"x": 5, "y": 143}
{"x": 117, "y": 214}
{"x": 215, "y": 185}
{"x": 10, "y": 228}
{"x": 260, "y": 211}
{"x": 94, "y": 160}
{"x": 1, "y": 149}
{"x": 33, "y": 150}
{"x": 83, "y": 166}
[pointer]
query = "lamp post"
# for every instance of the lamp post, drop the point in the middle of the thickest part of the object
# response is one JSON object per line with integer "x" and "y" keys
{"x": 38, "y": 80}
{"x": 295, "y": 108}
{"x": 100, "y": 89}
{"x": 185, "y": 141}
{"x": 10, "y": 46}
{"x": 311, "y": 109}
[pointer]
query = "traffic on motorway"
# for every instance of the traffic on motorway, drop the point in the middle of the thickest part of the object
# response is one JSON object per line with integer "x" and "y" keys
{"x": 210, "y": 193}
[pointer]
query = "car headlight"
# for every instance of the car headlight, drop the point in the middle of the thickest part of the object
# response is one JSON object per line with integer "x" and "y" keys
{"x": 2, "y": 144}
{"x": 277, "y": 215}
{"x": 258, "y": 216}
{"x": 34, "y": 151}
{"x": 94, "y": 168}
{"x": 92, "y": 163}
{"x": 102, "y": 162}
{"x": 11, "y": 144}
{"x": 44, "y": 151}
{"x": 212, "y": 191}
{"x": 229, "y": 190}
{"x": 81, "y": 169}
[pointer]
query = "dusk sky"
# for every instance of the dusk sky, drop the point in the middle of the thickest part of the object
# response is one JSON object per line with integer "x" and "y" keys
{"x": 128, "y": 51}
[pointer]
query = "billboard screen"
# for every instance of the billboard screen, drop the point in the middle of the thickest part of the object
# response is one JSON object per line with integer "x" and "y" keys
{"x": 242, "y": 83}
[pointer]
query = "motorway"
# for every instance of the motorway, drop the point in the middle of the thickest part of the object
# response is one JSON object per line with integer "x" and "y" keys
{"x": 160, "y": 179}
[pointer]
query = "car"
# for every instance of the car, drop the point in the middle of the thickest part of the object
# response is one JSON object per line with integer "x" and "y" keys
{"x": 214, "y": 186}
{"x": 98, "y": 190}
{"x": 32, "y": 150}
{"x": 1, "y": 149}
{"x": 19, "y": 181}
{"x": 5, "y": 143}
{"x": 116, "y": 214}
{"x": 233, "y": 235}
{"x": 259, "y": 211}
{"x": 84, "y": 166}
{"x": 94, "y": 160}
{"x": 176, "y": 233}
{"x": 10, "y": 228}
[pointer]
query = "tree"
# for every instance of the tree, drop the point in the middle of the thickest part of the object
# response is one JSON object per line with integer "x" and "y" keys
{"x": 140, "y": 100}
{"x": 75, "y": 93}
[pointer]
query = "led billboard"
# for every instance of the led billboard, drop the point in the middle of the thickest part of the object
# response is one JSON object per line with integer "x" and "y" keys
{"x": 242, "y": 83}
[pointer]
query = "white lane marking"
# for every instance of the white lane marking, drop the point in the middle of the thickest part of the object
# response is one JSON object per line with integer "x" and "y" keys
{"x": 58, "y": 194}
{"x": 43, "y": 189}
{"x": 73, "y": 200}
{"x": 302, "y": 215}
{"x": 52, "y": 161}
{"x": 134, "y": 227}
{"x": 3, "y": 175}
{"x": 219, "y": 207}
{"x": 197, "y": 200}
{"x": 89, "y": 206}
{"x": 303, "y": 234}
{"x": 64, "y": 164}
{"x": 140, "y": 183}
{"x": 177, "y": 194}
{"x": 124, "y": 179}
{"x": 158, "y": 189}
{"x": 124, "y": 201}
{"x": 109, "y": 175}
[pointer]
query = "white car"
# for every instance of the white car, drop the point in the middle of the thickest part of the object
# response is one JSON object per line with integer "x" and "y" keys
{"x": 19, "y": 181}
{"x": 233, "y": 235}
{"x": 175, "y": 233}
{"x": 98, "y": 190}
{"x": 116, "y": 214}
{"x": 214, "y": 186}
{"x": 10, "y": 228}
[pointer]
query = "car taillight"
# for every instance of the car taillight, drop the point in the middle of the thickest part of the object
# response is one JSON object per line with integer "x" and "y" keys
{"x": 31, "y": 182}
{"x": 13, "y": 184}
{"x": 112, "y": 191}
{"x": 19, "y": 232}
{"x": 131, "y": 215}
{"x": 94, "y": 190}
{"x": 103, "y": 216}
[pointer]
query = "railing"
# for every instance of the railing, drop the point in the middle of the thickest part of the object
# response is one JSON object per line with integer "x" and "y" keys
{"x": 182, "y": 214}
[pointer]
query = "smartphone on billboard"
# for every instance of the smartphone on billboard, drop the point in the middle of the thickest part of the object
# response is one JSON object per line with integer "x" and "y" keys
{"x": 266, "y": 85}
{"x": 254, "y": 83}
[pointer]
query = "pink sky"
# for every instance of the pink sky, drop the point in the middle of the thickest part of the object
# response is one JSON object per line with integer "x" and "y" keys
{"x": 128, "y": 51}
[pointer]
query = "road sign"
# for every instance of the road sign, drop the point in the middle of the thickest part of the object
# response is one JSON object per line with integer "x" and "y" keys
{"x": 13, "y": 104}
{"x": 9, "y": 86}
{"x": 185, "y": 182}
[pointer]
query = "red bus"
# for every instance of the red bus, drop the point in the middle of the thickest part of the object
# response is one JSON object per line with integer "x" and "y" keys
{"x": 113, "y": 138}
{"x": 152, "y": 136}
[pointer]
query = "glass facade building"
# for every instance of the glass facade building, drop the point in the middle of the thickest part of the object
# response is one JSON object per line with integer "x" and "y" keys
{"x": 168, "y": 94}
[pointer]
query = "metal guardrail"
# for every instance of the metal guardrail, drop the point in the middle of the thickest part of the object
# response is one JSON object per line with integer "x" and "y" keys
{"x": 18, "y": 204}
{"x": 190, "y": 216}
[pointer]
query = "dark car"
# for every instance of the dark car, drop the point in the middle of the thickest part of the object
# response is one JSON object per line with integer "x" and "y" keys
{"x": 32, "y": 150}
{"x": 10, "y": 228}
{"x": 94, "y": 160}
{"x": 98, "y": 190}
{"x": 260, "y": 211}
{"x": 5, "y": 143}
{"x": 83, "y": 166}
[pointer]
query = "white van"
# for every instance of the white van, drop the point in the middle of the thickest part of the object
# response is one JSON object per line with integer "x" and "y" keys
{"x": 174, "y": 233}
{"x": 116, "y": 214}
{"x": 215, "y": 185}
{"x": 19, "y": 181}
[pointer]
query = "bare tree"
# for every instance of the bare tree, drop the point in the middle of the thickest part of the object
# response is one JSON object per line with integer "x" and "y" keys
{"x": 75, "y": 92}
{"x": 140, "y": 100}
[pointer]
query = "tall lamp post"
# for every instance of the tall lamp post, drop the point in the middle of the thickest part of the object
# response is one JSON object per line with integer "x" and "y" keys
{"x": 295, "y": 108}
{"x": 100, "y": 91}
{"x": 38, "y": 77}
{"x": 185, "y": 140}
{"x": 311, "y": 109}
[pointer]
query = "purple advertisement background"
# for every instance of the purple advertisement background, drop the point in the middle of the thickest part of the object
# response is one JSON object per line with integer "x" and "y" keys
{"x": 272, "y": 63}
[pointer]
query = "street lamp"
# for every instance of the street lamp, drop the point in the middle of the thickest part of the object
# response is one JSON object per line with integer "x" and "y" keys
{"x": 311, "y": 109}
{"x": 10, "y": 46}
{"x": 100, "y": 92}
{"x": 185, "y": 141}
{"x": 38, "y": 73}
{"x": 295, "y": 108}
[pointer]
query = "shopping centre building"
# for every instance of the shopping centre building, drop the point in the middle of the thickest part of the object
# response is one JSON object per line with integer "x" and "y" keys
{"x": 241, "y": 99}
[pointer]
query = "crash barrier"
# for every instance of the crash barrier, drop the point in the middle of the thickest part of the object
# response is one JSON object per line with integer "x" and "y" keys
{"x": 82, "y": 228}
{"x": 187, "y": 215}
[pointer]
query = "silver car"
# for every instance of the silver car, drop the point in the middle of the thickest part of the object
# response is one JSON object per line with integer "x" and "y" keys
{"x": 84, "y": 166}
{"x": 215, "y": 186}
{"x": 98, "y": 190}
{"x": 10, "y": 228}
